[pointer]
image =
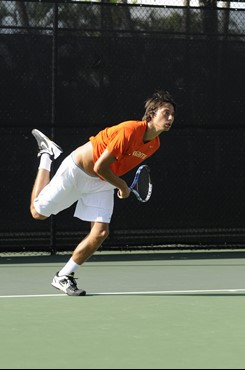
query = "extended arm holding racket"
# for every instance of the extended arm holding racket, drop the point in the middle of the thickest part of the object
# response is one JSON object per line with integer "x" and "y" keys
{"x": 102, "y": 169}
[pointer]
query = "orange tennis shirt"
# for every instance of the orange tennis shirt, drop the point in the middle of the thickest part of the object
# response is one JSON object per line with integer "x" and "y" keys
{"x": 125, "y": 142}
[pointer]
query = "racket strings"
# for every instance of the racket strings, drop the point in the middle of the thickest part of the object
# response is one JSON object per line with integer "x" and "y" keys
{"x": 143, "y": 185}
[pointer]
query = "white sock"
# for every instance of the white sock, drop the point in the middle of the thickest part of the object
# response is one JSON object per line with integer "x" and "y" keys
{"x": 70, "y": 267}
{"x": 45, "y": 162}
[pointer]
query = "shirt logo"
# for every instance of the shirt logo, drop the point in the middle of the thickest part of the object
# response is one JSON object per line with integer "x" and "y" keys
{"x": 139, "y": 154}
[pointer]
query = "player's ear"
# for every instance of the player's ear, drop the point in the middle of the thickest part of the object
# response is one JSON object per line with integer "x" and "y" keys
{"x": 152, "y": 113}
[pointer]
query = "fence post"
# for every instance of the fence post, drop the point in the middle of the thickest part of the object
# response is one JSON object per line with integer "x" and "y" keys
{"x": 53, "y": 109}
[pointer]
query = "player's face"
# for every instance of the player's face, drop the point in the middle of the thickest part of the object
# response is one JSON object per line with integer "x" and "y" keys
{"x": 164, "y": 117}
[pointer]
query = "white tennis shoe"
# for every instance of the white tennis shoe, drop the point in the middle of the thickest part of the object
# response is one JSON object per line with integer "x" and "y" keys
{"x": 45, "y": 145}
{"x": 67, "y": 284}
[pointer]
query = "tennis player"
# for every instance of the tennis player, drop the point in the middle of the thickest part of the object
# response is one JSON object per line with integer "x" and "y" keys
{"x": 91, "y": 173}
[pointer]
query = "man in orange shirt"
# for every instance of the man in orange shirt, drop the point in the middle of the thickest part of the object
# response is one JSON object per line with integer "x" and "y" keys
{"x": 90, "y": 174}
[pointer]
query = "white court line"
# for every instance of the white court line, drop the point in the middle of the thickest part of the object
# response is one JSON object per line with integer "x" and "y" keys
{"x": 132, "y": 293}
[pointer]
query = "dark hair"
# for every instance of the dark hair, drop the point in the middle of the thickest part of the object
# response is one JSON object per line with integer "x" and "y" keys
{"x": 155, "y": 102}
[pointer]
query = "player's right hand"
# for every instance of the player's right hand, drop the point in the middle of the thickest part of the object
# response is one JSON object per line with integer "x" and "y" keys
{"x": 123, "y": 193}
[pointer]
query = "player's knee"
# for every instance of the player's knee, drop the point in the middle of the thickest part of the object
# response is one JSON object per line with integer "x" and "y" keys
{"x": 36, "y": 215}
{"x": 105, "y": 234}
{"x": 102, "y": 235}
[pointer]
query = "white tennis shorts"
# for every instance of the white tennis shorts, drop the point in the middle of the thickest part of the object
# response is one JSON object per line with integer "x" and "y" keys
{"x": 95, "y": 197}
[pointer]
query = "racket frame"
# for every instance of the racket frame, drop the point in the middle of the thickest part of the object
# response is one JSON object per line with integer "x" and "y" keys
{"x": 135, "y": 181}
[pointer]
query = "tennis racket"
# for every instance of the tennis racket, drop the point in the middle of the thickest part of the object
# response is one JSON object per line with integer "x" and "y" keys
{"x": 142, "y": 185}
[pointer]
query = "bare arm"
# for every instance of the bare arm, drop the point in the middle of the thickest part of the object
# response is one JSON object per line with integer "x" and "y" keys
{"x": 102, "y": 168}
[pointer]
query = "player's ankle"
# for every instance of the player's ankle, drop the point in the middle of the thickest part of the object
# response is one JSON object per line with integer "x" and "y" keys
{"x": 45, "y": 162}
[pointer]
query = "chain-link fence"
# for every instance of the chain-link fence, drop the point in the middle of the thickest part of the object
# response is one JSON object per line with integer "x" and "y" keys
{"x": 70, "y": 68}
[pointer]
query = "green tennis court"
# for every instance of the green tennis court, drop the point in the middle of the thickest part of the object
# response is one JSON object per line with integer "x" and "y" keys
{"x": 142, "y": 310}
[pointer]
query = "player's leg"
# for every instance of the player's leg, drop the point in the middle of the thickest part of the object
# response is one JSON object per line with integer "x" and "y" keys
{"x": 47, "y": 151}
{"x": 64, "y": 279}
{"x": 98, "y": 233}
{"x": 96, "y": 207}
{"x": 42, "y": 179}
